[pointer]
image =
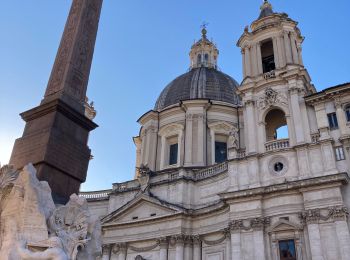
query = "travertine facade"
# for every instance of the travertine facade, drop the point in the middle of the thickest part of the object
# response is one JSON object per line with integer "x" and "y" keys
{"x": 214, "y": 179}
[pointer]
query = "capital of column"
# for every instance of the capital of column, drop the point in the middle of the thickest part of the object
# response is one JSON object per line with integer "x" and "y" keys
{"x": 179, "y": 239}
{"x": 259, "y": 223}
{"x": 196, "y": 240}
{"x": 337, "y": 103}
{"x": 249, "y": 102}
{"x": 311, "y": 216}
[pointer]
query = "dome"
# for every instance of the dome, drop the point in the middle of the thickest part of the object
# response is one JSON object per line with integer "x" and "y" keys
{"x": 199, "y": 83}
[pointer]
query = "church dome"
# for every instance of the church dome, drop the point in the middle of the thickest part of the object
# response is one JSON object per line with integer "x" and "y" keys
{"x": 199, "y": 83}
{"x": 203, "y": 81}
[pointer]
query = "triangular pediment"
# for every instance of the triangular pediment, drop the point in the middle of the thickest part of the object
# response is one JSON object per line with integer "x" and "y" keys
{"x": 284, "y": 225}
{"x": 141, "y": 208}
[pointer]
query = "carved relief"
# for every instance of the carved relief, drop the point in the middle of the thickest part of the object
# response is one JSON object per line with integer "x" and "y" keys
{"x": 73, "y": 60}
{"x": 312, "y": 216}
{"x": 248, "y": 224}
{"x": 272, "y": 97}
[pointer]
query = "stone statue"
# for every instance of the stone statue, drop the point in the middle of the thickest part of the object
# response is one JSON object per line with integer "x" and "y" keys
{"x": 233, "y": 138}
{"x": 54, "y": 252}
{"x": 45, "y": 231}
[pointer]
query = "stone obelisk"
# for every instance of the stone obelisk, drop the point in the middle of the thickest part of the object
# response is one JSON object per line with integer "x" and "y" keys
{"x": 56, "y": 132}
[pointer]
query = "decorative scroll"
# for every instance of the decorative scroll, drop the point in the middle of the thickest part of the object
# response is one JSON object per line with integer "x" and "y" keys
{"x": 316, "y": 215}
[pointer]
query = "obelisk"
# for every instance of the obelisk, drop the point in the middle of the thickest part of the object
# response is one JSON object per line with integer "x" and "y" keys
{"x": 56, "y": 132}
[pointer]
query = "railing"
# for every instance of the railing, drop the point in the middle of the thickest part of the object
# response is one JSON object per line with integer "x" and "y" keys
{"x": 315, "y": 137}
{"x": 124, "y": 186}
{"x": 213, "y": 170}
{"x": 276, "y": 144}
{"x": 100, "y": 194}
{"x": 270, "y": 74}
{"x": 241, "y": 153}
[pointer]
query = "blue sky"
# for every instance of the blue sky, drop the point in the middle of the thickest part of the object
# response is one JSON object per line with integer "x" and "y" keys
{"x": 141, "y": 46}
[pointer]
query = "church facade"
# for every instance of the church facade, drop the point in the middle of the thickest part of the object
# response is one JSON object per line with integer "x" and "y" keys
{"x": 256, "y": 170}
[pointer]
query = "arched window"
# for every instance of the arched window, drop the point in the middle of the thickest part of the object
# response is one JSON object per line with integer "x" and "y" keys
{"x": 206, "y": 57}
{"x": 347, "y": 113}
{"x": 199, "y": 59}
{"x": 276, "y": 125}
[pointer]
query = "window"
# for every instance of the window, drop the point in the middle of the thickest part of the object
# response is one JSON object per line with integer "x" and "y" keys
{"x": 173, "y": 154}
{"x": 199, "y": 59}
{"x": 347, "y": 113}
{"x": 287, "y": 250}
{"x": 267, "y": 56}
{"x": 220, "y": 152}
{"x": 206, "y": 58}
{"x": 332, "y": 121}
{"x": 339, "y": 153}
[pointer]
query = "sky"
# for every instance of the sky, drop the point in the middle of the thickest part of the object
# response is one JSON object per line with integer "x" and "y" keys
{"x": 141, "y": 46}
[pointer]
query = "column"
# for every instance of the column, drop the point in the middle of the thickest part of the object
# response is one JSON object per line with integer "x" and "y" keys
{"x": 188, "y": 140}
{"x": 258, "y": 58}
{"x": 287, "y": 48}
{"x": 275, "y": 52}
{"x": 163, "y": 252}
{"x": 251, "y": 140}
{"x": 197, "y": 249}
{"x": 315, "y": 241}
{"x": 122, "y": 251}
{"x": 342, "y": 231}
{"x": 247, "y": 61}
{"x": 254, "y": 60}
{"x": 299, "y": 55}
{"x": 341, "y": 117}
{"x": 275, "y": 250}
{"x": 179, "y": 248}
{"x": 228, "y": 245}
{"x": 322, "y": 120}
{"x": 200, "y": 140}
{"x": 243, "y": 63}
{"x": 297, "y": 120}
{"x": 162, "y": 154}
{"x": 212, "y": 137}
{"x": 259, "y": 248}
{"x": 298, "y": 249}
{"x": 280, "y": 49}
{"x": 179, "y": 148}
{"x": 294, "y": 48}
{"x": 188, "y": 253}
{"x": 236, "y": 244}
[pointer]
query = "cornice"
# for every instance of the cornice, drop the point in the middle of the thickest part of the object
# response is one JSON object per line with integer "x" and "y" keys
{"x": 342, "y": 178}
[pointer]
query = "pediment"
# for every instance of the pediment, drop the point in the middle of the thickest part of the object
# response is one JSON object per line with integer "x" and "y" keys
{"x": 140, "y": 208}
{"x": 284, "y": 225}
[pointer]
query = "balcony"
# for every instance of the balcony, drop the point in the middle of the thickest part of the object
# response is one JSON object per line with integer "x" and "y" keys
{"x": 276, "y": 144}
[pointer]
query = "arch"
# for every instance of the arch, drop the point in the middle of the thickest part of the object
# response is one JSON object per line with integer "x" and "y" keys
{"x": 275, "y": 119}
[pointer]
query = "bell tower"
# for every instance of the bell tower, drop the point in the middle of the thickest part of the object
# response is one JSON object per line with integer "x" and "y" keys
{"x": 274, "y": 81}
{"x": 274, "y": 43}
